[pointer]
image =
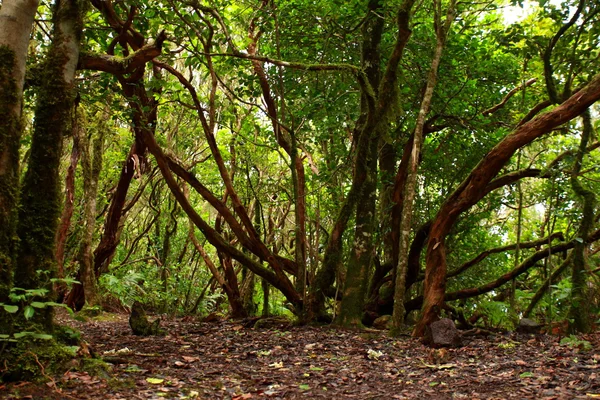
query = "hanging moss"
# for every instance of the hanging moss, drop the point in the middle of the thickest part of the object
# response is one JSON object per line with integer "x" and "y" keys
{"x": 10, "y": 132}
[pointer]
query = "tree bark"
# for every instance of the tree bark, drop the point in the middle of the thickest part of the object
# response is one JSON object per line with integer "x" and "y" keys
{"x": 91, "y": 162}
{"x": 409, "y": 192}
{"x": 40, "y": 202}
{"x": 528, "y": 263}
{"x": 109, "y": 241}
{"x": 69, "y": 204}
{"x": 16, "y": 20}
{"x": 580, "y": 320}
{"x": 472, "y": 189}
{"x": 365, "y": 175}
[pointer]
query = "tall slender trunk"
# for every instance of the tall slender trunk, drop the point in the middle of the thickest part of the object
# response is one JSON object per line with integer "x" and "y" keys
{"x": 579, "y": 312}
{"x": 364, "y": 180}
{"x": 91, "y": 161}
{"x": 69, "y": 204}
{"x": 442, "y": 30}
{"x": 16, "y": 20}
{"x": 40, "y": 196}
{"x": 513, "y": 287}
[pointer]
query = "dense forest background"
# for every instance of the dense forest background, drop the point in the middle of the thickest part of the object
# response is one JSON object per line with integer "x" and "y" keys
{"x": 337, "y": 161}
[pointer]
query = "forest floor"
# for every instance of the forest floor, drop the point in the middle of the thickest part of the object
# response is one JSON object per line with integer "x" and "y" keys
{"x": 225, "y": 360}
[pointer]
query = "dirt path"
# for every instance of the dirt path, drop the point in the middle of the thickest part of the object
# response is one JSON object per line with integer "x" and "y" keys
{"x": 228, "y": 361}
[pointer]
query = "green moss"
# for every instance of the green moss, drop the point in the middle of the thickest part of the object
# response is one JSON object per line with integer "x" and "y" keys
{"x": 40, "y": 195}
{"x": 10, "y": 133}
{"x": 95, "y": 367}
{"x": 120, "y": 384}
{"x": 138, "y": 321}
{"x": 35, "y": 360}
{"x": 105, "y": 316}
{"x": 92, "y": 312}
{"x": 67, "y": 335}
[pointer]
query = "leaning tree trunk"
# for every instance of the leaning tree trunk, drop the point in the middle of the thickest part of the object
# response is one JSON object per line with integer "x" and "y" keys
{"x": 472, "y": 189}
{"x": 16, "y": 20}
{"x": 413, "y": 164}
{"x": 40, "y": 196}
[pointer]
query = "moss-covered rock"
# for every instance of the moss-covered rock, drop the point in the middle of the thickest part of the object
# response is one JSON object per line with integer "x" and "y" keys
{"x": 139, "y": 323}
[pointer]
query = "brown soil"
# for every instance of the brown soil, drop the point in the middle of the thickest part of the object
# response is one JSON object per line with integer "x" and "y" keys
{"x": 225, "y": 360}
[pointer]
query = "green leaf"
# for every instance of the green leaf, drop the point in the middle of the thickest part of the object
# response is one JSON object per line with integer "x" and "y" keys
{"x": 28, "y": 312}
{"x": 53, "y": 304}
{"x": 316, "y": 369}
{"x": 526, "y": 375}
{"x": 155, "y": 381}
{"x": 37, "y": 304}
{"x": 20, "y": 335}
{"x": 42, "y": 336}
{"x": 304, "y": 386}
{"x": 10, "y": 309}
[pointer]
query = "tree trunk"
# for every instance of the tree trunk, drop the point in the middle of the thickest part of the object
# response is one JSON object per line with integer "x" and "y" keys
{"x": 357, "y": 275}
{"x": 16, "y": 20}
{"x": 266, "y": 289}
{"x": 472, "y": 189}
{"x": 579, "y": 313}
{"x": 91, "y": 162}
{"x": 247, "y": 292}
{"x": 170, "y": 230}
{"x": 364, "y": 180}
{"x": 409, "y": 192}
{"x": 40, "y": 202}
{"x": 69, "y": 205}
{"x": 112, "y": 230}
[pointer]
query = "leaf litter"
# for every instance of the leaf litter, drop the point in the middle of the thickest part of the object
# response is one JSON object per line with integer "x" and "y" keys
{"x": 226, "y": 360}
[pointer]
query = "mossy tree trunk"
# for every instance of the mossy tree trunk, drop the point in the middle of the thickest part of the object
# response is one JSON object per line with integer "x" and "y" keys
{"x": 16, "y": 20}
{"x": 579, "y": 313}
{"x": 40, "y": 196}
{"x": 379, "y": 103}
{"x": 91, "y": 162}
{"x": 247, "y": 292}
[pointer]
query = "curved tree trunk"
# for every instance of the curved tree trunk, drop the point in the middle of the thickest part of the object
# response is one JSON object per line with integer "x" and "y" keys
{"x": 472, "y": 189}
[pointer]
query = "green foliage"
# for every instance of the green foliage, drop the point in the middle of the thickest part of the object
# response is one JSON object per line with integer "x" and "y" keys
{"x": 127, "y": 288}
{"x": 574, "y": 342}
{"x": 495, "y": 314}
